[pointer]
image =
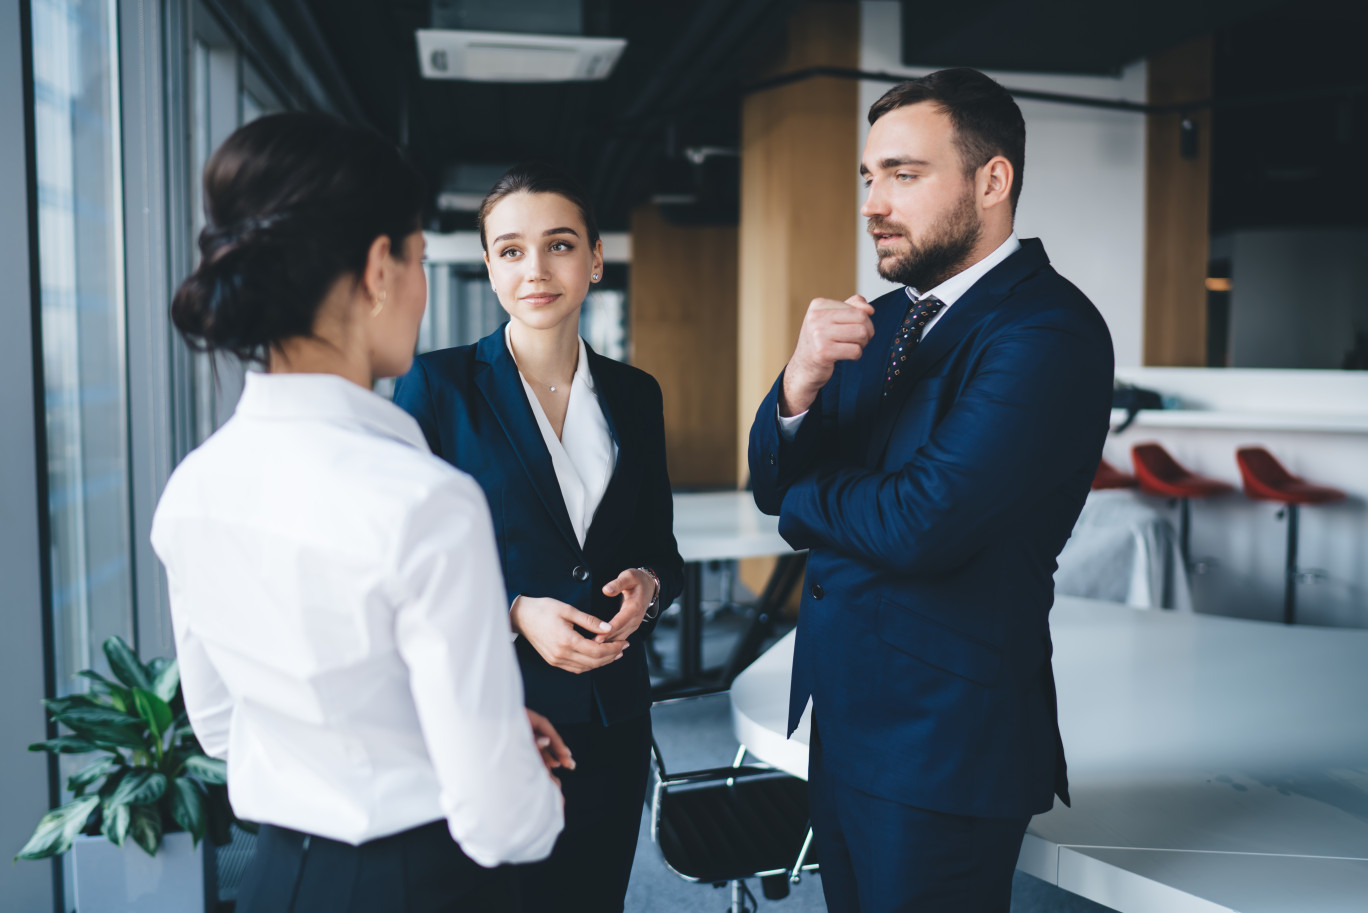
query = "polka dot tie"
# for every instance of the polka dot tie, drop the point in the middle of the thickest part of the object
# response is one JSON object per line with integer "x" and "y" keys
{"x": 919, "y": 313}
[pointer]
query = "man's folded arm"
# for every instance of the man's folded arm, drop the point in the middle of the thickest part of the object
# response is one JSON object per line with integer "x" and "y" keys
{"x": 782, "y": 450}
{"x": 1033, "y": 413}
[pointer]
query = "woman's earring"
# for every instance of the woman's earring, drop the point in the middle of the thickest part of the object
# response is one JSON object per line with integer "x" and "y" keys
{"x": 594, "y": 277}
{"x": 379, "y": 304}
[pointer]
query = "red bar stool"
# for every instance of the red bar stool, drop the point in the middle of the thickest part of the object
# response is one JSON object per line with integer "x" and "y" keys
{"x": 1265, "y": 479}
{"x": 1161, "y": 475}
{"x": 1109, "y": 477}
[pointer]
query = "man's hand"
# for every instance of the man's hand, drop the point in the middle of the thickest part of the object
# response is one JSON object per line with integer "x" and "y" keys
{"x": 637, "y": 589}
{"x": 832, "y": 331}
{"x": 550, "y": 627}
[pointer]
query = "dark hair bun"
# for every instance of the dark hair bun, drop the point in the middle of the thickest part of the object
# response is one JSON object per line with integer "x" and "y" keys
{"x": 292, "y": 203}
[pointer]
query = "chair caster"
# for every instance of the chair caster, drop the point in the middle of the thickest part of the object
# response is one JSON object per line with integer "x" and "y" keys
{"x": 774, "y": 887}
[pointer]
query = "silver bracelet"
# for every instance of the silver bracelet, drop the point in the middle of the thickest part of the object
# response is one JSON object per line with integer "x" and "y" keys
{"x": 653, "y": 609}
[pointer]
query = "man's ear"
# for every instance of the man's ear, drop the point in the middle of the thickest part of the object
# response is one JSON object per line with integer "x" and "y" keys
{"x": 995, "y": 181}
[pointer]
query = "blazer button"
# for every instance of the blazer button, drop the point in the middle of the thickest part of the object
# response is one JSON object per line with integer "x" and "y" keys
{"x": 580, "y": 573}
{"x": 771, "y": 459}
{"x": 817, "y": 591}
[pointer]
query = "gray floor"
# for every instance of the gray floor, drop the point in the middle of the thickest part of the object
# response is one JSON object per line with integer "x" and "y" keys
{"x": 696, "y": 734}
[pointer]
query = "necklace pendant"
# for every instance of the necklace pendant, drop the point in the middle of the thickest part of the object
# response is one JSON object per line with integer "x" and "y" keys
{"x": 553, "y": 389}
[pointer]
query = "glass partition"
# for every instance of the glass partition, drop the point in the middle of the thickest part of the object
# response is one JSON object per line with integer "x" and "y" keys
{"x": 80, "y": 248}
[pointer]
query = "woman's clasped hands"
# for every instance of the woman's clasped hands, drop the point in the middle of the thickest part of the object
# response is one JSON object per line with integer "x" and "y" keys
{"x": 553, "y": 627}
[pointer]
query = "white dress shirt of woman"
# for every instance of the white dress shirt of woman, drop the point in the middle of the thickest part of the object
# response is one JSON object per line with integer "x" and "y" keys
{"x": 569, "y": 447}
{"x": 335, "y": 594}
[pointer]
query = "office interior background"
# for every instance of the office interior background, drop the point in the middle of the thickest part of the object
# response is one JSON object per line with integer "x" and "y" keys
{"x": 1191, "y": 166}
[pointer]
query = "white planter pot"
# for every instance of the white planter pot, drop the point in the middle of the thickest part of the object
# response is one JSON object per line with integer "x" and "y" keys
{"x": 114, "y": 880}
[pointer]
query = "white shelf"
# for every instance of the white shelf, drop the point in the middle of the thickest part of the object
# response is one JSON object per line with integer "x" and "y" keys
{"x": 1260, "y": 421}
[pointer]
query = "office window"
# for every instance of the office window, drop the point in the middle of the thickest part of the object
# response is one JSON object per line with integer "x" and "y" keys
{"x": 80, "y": 245}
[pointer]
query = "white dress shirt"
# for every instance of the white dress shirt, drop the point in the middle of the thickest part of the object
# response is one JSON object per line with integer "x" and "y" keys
{"x": 949, "y": 291}
{"x": 339, "y": 621}
{"x": 585, "y": 454}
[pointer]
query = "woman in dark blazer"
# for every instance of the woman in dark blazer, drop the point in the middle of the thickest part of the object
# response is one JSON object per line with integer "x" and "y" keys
{"x": 569, "y": 448}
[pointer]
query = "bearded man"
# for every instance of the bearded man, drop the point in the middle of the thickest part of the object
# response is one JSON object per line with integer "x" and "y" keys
{"x": 933, "y": 450}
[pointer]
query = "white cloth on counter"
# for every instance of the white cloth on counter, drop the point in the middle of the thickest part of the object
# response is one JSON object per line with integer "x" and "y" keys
{"x": 1124, "y": 549}
{"x": 339, "y": 621}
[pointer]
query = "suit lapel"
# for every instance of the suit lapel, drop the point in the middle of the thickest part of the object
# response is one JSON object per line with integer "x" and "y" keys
{"x": 498, "y": 381}
{"x": 951, "y": 330}
{"x": 861, "y": 392}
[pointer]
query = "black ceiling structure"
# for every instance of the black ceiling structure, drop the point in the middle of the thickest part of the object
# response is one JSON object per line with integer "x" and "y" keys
{"x": 676, "y": 90}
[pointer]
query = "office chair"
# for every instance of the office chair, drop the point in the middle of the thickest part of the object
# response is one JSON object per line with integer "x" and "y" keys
{"x": 728, "y": 824}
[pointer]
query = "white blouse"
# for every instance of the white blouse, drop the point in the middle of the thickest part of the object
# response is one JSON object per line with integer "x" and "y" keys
{"x": 585, "y": 454}
{"x": 339, "y": 621}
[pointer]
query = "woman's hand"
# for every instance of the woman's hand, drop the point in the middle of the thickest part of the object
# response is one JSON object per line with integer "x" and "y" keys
{"x": 555, "y": 753}
{"x": 550, "y": 627}
{"x": 638, "y": 588}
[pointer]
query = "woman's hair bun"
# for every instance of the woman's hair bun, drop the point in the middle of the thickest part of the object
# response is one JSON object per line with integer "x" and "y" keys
{"x": 292, "y": 203}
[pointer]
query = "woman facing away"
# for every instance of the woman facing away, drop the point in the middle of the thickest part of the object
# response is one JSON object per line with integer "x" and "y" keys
{"x": 335, "y": 593}
{"x": 569, "y": 448}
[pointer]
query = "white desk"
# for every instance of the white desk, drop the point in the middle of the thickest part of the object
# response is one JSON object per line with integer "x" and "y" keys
{"x": 721, "y": 525}
{"x": 1215, "y": 764}
{"x": 716, "y": 525}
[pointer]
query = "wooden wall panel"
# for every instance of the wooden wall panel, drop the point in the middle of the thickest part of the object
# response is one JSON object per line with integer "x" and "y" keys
{"x": 1177, "y": 211}
{"x": 683, "y": 318}
{"x": 799, "y": 158}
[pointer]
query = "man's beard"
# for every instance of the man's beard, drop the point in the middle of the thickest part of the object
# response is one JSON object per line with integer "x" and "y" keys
{"x": 951, "y": 240}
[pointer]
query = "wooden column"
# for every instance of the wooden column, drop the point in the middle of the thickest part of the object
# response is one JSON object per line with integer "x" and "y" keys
{"x": 683, "y": 300}
{"x": 799, "y": 200}
{"x": 1177, "y": 210}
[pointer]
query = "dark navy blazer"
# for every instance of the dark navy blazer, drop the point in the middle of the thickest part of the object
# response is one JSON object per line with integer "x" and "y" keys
{"x": 934, "y": 518}
{"x": 474, "y": 412}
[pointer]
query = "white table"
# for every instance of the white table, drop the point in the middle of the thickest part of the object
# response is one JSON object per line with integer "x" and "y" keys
{"x": 723, "y": 525}
{"x": 716, "y": 525}
{"x": 1215, "y": 764}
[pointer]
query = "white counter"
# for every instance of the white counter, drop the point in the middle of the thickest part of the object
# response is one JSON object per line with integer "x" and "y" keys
{"x": 1215, "y": 764}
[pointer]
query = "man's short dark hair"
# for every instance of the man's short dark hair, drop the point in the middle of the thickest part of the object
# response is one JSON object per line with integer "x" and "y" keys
{"x": 986, "y": 118}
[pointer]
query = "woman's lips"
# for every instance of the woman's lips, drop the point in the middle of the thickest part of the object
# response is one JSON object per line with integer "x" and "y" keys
{"x": 540, "y": 299}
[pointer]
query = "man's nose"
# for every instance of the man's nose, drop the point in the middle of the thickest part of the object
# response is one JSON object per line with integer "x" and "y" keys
{"x": 875, "y": 203}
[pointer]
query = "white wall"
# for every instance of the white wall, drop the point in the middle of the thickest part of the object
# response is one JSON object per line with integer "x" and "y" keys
{"x": 1083, "y": 192}
{"x": 1297, "y": 296}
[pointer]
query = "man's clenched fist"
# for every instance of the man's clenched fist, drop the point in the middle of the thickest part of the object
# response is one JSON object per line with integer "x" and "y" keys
{"x": 832, "y": 331}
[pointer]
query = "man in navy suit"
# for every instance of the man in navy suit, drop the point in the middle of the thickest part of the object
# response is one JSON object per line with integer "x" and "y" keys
{"x": 933, "y": 450}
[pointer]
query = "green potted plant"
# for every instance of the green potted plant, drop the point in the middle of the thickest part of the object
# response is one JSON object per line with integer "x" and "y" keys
{"x": 152, "y": 784}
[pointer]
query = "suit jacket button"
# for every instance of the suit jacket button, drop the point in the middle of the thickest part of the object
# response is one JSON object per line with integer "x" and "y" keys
{"x": 817, "y": 591}
{"x": 580, "y": 573}
{"x": 771, "y": 459}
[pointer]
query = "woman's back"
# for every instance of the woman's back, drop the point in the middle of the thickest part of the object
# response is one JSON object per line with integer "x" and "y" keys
{"x": 342, "y": 585}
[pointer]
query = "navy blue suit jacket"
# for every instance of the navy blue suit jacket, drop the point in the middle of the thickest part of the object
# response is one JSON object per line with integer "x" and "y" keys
{"x": 474, "y": 412}
{"x": 934, "y": 518}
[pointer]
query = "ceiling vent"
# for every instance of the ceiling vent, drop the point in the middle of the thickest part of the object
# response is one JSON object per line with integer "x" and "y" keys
{"x": 515, "y": 56}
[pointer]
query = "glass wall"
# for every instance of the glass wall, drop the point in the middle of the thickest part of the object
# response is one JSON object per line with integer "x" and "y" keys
{"x": 80, "y": 205}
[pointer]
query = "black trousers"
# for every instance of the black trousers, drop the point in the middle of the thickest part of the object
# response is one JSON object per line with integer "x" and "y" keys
{"x": 588, "y": 870}
{"x": 880, "y": 856}
{"x": 416, "y": 871}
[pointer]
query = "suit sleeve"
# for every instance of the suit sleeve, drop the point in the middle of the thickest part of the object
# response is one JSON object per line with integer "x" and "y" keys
{"x": 1033, "y": 413}
{"x": 654, "y": 524}
{"x": 775, "y": 463}
{"x": 413, "y": 394}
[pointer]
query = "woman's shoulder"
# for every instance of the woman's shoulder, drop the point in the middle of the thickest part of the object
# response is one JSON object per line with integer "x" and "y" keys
{"x": 623, "y": 375}
{"x": 446, "y": 363}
